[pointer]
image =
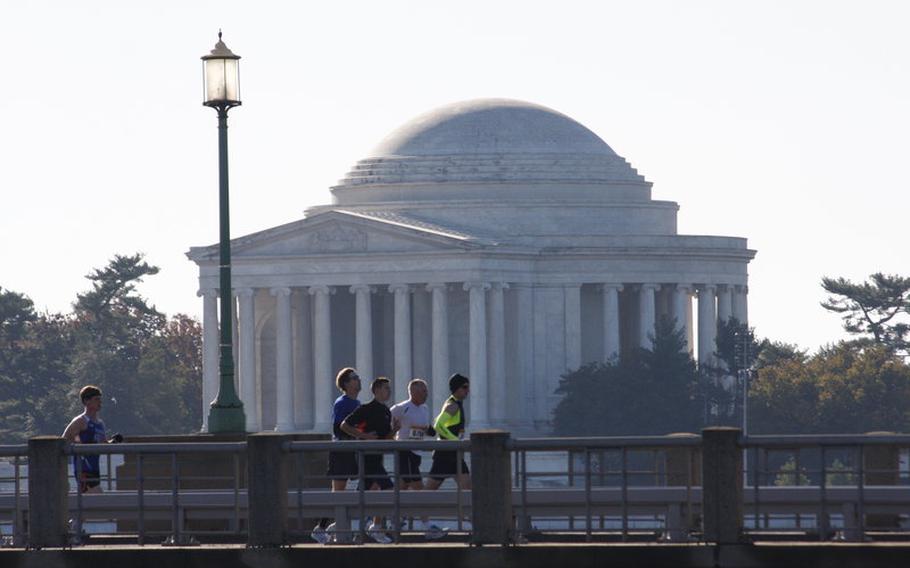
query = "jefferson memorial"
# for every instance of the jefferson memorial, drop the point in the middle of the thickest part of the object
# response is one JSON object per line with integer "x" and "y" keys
{"x": 496, "y": 238}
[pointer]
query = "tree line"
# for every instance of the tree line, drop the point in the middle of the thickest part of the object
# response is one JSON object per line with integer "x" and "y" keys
{"x": 148, "y": 365}
{"x": 857, "y": 385}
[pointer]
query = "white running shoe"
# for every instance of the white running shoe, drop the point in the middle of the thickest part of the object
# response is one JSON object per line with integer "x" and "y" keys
{"x": 330, "y": 534}
{"x": 376, "y": 533}
{"x": 320, "y": 535}
{"x": 434, "y": 532}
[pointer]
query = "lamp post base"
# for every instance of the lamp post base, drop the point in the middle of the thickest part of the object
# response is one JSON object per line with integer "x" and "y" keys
{"x": 227, "y": 420}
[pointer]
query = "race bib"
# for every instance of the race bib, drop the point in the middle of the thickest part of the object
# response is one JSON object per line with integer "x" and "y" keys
{"x": 416, "y": 434}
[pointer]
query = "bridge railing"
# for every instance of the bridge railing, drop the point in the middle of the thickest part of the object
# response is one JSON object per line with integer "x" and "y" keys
{"x": 270, "y": 490}
{"x": 350, "y": 511}
{"x": 840, "y": 487}
{"x": 610, "y": 487}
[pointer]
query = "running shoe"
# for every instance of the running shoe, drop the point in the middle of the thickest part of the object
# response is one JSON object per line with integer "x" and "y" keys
{"x": 320, "y": 535}
{"x": 375, "y": 532}
{"x": 434, "y": 532}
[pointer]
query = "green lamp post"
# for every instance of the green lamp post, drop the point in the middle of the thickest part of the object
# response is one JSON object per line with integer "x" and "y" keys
{"x": 221, "y": 71}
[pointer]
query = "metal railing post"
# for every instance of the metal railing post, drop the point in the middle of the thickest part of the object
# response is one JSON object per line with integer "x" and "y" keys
{"x": 361, "y": 496}
{"x": 587, "y": 495}
{"x": 140, "y": 486}
{"x": 175, "y": 501}
{"x": 526, "y": 520}
{"x": 823, "y": 515}
{"x": 459, "y": 505}
{"x": 236, "y": 460}
{"x": 17, "y": 520}
{"x": 397, "y": 490}
{"x": 624, "y": 476}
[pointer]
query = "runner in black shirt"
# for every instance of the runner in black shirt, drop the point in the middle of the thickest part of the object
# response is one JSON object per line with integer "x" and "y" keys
{"x": 373, "y": 421}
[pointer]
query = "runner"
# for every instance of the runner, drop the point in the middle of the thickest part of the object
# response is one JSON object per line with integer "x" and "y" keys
{"x": 342, "y": 465}
{"x": 373, "y": 421}
{"x": 88, "y": 428}
{"x": 450, "y": 425}
{"x": 412, "y": 418}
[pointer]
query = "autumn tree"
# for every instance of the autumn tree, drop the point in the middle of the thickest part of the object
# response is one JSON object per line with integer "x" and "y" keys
{"x": 844, "y": 388}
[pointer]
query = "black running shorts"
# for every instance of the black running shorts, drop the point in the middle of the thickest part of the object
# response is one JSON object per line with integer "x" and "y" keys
{"x": 342, "y": 465}
{"x": 444, "y": 465}
{"x": 409, "y": 467}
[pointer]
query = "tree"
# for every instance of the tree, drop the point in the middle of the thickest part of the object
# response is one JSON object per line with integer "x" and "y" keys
{"x": 651, "y": 392}
{"x": 34, "y": 359}
{"x": 737, "y": 346}
{"x": 173, "y": 359}
{"x": 878, "y": 307}
{"x": 148, "y": 367}
{"x": 844, "y": 388}
{"x": 737, "y": 352}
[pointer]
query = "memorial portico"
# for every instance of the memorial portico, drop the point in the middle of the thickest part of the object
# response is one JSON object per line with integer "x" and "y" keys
{"x": 494, "y": 238}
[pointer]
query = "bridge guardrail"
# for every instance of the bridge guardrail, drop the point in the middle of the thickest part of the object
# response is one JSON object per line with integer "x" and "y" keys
{"x": 717, "y": 487}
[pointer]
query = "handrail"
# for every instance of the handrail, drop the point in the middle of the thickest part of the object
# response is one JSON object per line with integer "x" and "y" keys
{"x": 557, "y": 444}
{"x": 794, "y": 440}
{"x": 155, "y": 448}
{"x": 377, "y": 445}
{"x": 13, "y": 450}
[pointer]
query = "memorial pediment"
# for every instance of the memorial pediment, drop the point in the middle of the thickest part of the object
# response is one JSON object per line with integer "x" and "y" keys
{"x": 342, "y": 232}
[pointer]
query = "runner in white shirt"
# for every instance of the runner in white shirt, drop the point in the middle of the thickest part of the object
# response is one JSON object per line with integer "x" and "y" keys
{"x": 412, "y": 418}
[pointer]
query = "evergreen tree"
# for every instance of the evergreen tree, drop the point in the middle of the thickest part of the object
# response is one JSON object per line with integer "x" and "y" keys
{"x": 879, "y": 308}
{"x": 652, "y": 392}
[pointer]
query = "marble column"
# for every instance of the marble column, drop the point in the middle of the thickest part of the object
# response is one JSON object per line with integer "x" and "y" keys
{"x": 682, "y": 303}
{"x": 210, "y": 348}
{"x": 646, "y": 314}
{"x": 421, "y": 334}
{"x": 402, "y": 294}
{"x": 247, "y": 353}
{"x": 522, "y": 406}
{"x": 477, "y": 352}
{"x": 707, "y": 323}
{"x": 303, "y": 359}
{"x": 439, "y": 386}
{"x": 284, "y": 374}
{"x": 363, "y": 344}
{"x": 611, "y": 319}
{"x": 573, "y": 326}
{"x": 323, "y": 379}
{"x": 497, "y": 354}
{"x": 724, "y": 302}
{"x": 741, "y": 304}
{"x": 235, "y": 338}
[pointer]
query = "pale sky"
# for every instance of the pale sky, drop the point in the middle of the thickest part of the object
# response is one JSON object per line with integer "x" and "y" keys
{"x": 783, "y": 122}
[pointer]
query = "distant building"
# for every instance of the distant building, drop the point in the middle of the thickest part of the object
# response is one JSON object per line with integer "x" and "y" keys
{"x": 495, "y": 238}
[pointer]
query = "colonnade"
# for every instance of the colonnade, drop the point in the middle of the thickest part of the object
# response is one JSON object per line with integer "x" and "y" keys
{"x": 302, "y": 318}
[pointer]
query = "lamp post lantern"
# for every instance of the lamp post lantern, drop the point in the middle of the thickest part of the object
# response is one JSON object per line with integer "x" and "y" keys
{"x": 221, "y": 69}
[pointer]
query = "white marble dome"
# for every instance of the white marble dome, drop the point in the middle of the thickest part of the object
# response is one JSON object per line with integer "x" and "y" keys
{"x": 491, "y": 126}
{"x": 491, "y": 143}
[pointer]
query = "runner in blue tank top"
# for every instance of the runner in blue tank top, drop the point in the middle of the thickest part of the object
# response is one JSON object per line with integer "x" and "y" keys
{"x": 88, "y": 428}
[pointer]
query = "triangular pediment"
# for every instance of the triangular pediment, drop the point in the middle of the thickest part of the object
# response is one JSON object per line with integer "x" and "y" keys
{"x": 343, "y": 232}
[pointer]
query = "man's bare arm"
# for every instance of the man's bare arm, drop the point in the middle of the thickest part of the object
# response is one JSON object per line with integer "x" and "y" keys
{"x": 71, "y": 434}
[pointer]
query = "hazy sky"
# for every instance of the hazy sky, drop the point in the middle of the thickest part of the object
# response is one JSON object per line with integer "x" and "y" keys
{"x": 783, "y": 122}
